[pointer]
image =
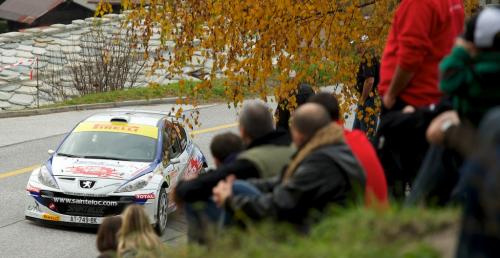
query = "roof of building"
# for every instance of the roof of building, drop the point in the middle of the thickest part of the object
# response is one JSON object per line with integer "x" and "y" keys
{"x": 26, "y": 11}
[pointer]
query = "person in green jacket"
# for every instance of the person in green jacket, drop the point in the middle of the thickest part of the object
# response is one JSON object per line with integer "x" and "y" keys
{"x": 470, "y": 78}
{"x": 470, "y": 75}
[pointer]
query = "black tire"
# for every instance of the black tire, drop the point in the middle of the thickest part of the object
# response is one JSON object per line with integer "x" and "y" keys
{"x": 162, "y": 212}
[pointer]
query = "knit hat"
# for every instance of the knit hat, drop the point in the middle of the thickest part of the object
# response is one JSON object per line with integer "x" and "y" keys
{"x": 484, "y": 29}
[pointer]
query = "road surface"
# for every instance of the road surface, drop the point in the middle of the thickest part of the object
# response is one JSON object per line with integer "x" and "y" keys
{"x": 24, "y": 142}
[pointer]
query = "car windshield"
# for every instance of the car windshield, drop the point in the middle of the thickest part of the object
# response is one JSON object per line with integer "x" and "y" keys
{"x": 109, "y": 145}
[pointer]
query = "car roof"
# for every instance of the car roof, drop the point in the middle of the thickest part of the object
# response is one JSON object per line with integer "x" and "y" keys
{"x": 140, "y": 117}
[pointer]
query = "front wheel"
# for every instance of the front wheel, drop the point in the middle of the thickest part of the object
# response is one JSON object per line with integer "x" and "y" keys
{"x": 162, "y": 212}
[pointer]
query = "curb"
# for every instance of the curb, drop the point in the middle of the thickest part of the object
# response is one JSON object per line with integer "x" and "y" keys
{"x": 45, "y": 111}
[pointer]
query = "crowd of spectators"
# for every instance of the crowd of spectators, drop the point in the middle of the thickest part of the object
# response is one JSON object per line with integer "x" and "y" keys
{"x": 437, "y": 142}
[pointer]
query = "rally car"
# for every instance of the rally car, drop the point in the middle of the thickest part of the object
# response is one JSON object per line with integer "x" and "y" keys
{"x": 112, "y": 160}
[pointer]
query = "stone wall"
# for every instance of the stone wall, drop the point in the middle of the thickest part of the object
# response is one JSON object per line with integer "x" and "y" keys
{"x": 19, "y": 89}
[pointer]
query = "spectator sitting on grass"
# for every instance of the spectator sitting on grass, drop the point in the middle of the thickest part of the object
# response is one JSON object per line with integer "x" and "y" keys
{"x": 267, "y": 152}
{"x": 376, "y": 185}
{"x": 107, "y": 237}
{"x": 137, "y": 237}
{"x": 322, "y": 172}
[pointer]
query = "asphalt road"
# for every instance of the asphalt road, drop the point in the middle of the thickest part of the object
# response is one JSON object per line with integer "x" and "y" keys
{"x": 24, "y": 142}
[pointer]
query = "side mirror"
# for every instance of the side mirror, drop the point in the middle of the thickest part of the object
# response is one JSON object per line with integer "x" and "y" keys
{"x": 175, "y": 161}
{"x": 50, "y": 152}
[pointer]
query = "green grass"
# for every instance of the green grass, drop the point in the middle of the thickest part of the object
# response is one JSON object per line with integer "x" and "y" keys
{"x": 406, "y": 233}
{"x": 150, "y": 92}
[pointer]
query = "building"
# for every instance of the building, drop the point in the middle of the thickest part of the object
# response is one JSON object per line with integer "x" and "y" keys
{"x": 22, "y": 14}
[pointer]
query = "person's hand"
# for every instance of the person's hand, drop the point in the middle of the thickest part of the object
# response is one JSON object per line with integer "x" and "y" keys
{"x": 408, "y": 109}
{"x": 223, "y": 190}
{"x": 388, "y": 101}
{"x": 467, "y": 45}
{"x": 435, "y": 131}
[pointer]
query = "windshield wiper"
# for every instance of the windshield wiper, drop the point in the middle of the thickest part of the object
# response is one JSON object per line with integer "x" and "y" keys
{"x": 104, "y": 157}
{"x": 68, "y": 155}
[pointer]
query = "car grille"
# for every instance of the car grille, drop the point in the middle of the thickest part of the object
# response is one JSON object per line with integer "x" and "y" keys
{"x": 84, "y": 205}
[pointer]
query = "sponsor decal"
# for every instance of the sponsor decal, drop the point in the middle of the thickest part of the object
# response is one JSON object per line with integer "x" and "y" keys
{"x": 32, "y": 189}
{"x": 193, "y": 168}
{"x": 51, "y": 217}
{"x": 145, "y": 196}
{"x": 87, "y": 184}
{"x": 143, "y": 130}
{"x": 97, "y": 171}
{"x": 65, "y": 200}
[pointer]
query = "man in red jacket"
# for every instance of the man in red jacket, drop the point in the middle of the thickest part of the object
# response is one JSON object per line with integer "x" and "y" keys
{"x": 376, "y": 185}
{"x": 422, "y": 33}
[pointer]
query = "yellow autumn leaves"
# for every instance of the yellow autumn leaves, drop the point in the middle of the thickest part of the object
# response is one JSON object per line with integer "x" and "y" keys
{"x": 252, "y": 42}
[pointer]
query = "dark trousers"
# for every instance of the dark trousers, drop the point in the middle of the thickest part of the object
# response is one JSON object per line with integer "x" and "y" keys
{"x": 437, "y": 178}
{"x": 401, "y": 145}
{"x": 205, "y": 217}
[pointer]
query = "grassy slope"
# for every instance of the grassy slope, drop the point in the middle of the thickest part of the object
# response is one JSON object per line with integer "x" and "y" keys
{"x": 173, "y": 90}
{"x": 407, "y": 233}
{"x": 150, "y": 92}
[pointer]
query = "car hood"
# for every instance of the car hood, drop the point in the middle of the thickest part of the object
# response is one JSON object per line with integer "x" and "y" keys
{"x": 97, "y": 168}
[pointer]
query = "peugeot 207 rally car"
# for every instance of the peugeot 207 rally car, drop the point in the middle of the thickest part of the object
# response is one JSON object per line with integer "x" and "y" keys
{"x": 109, "y": 161}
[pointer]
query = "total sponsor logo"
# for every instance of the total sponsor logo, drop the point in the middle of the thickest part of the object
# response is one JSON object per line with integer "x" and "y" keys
{"x": 145, "y": 196}
{"x": 141, "y": 199}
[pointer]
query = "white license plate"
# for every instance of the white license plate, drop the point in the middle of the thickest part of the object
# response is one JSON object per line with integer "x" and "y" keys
{"x": 86, "y": 220}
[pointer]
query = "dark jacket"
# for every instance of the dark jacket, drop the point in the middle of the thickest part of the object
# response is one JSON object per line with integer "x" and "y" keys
{"x": 479, "y": 188}
{"x": 200, "y": 188}
{"x": 323, "y": 172}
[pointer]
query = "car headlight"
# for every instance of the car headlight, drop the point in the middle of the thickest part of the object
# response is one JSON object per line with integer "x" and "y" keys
{"x": 135, "y": 185}
{"x": 45, "y": 178}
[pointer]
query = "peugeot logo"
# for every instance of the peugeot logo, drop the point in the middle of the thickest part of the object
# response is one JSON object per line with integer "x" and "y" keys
{"x": 87, "y": 184}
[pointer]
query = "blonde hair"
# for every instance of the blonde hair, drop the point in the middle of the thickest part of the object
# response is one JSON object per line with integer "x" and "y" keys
{"x": 136, "y": 231}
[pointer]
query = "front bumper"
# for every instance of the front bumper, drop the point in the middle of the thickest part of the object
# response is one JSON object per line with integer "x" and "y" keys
{"x": 45, "y": 208}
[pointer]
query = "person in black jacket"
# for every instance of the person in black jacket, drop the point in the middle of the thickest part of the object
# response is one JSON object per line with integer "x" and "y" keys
{"x": 267, "y": 152}
{"x": 322, "y": 172}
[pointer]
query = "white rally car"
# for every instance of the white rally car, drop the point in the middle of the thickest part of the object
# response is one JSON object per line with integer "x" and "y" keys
{"x": 109, "y": 161}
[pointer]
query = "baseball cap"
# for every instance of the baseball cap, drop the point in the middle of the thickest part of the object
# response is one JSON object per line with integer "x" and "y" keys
{"x": 484, "y": 29}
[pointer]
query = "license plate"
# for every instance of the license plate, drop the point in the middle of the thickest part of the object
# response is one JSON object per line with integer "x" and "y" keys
{"x": 51, "y": 217}
{"x": 86, "y": 220}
